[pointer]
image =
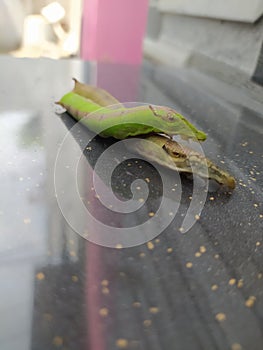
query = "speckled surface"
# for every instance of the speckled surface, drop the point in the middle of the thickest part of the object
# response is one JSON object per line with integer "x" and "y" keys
{"x": 195, "y": 291}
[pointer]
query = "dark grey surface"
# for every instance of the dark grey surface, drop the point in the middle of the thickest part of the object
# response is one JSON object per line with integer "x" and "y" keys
{"x": 54, "y": 283}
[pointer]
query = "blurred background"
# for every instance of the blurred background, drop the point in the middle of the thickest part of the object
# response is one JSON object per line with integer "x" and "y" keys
{"x": 199, "y": 33}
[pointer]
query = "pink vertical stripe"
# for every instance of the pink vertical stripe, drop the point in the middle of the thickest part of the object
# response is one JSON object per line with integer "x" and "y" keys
{"x": 113, "y": 30}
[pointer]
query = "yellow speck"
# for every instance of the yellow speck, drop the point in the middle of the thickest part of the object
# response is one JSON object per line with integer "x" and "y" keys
{"x": 58, "y": 341}
{"x": 212, "y": 198}
{"x": 74, "y": 278}
{"x": 157, "y": 240}
{"x": 27, "y": 221}
{"x": 118, "y": 246}
{"x": 136, "y": 304}
{"x": 240, "y": 283}
{"x": 261, "y": 216}
{"x": 147, "y": 179}
{"x": 197, "y": 217}
{"x": 150, "y": 245}
{"x": 189, "y": 265}
{"x": 198, "y": 254}
{"x": 169, "y": 250}
{"x": 105, "y": 290}
{"x": 216, "y": 256}
{"x": 141, "y": 200}
{"x": 214, "y": 287}
{"x": 181, "y": 229}
{"x": 202, "y": 249}
{"x": 104, "y": 283}
{"x": 250, "y": 301}
{"x": 142, "y": 255}
{"x": 258, "y": 244}
{"x": 151, "y": 214}
{"x": 40, "y": 276}
{"x": 220, "y": 317}
{"x": 147, "y": 323}
{"x": 236, "y": 346}
{"x": 255, "y": 205}
{"x": 154, "y": 310}
{"x": 104, "y": 312}
{"x": 122, "y": 343}
{"x": 232, "y": 281}
{"x": 260, "y": 275}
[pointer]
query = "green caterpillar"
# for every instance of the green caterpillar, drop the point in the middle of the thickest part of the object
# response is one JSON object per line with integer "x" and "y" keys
{"x": 85, "y": 103}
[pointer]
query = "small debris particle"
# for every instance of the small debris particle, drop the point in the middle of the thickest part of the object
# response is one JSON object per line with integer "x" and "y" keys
{"x": 236, "y": 346}
{"x": 118, "y": 246}
{"x": 212, "y": 198}
{"x": 129, "y": 164}
{"x": 260, "y": 275}
{"x": 147, "y": 323}
{"x": 220, "y": 317}
{"x": 151, "y": 214}
{"x": 97, "y": 196}
{"x": 141, "y": 200}
{"x": 261, "y": 216}
{"x": 250, "y": 152}
{"x": 169, "y": 250}
{"x": 250, "y": 301}
{"x": 150, "y": 245}
{"x": 198, "y": 254}
{"x": 240, "y": 283}
{"x": 232, "y": 281}
{"x": 138, "y": 188}
{"x": 142, "y": 255}
{"x": 189, "y": 265}
{"x": 104, "y": 312}
{"x": 222, "y": 161}
{"x": 157, "y": 240}
{"x": 258, "y": 244}
{"x": 105, "y": 290}
{"x": 181, "y": 229}
{"x": 197, "y": 217}
{"x": 216, "y": 256}
{"x": 47, "y": 317}
{"x": 58, "y": 341}
{"x": 72, "y": 253}
{"x": 89, "y": 148}
{"x": 244, "y": 144}
{"x": 27, "y": 221}
{"x": 171, "y": 213}
{"x": 104, "y": 283}
{"x": 255, "y": 205}
{"x": 214, "y": 287}
{"x": 74, "y": 278}
{"x": 136, "y": 304}
{"x": 122, "y": 343}
{"x": 154, "y": 310}
{"x": 147, "y": 179}
{"x": 40, "y": 276}
{"x": 202, "y": 249}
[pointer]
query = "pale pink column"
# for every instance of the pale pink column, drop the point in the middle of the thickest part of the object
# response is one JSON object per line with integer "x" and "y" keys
{"x": 113, "y": 30}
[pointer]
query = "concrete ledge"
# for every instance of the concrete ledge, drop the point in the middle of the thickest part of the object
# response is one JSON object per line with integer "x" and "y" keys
{"x": 233, "y": 10}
